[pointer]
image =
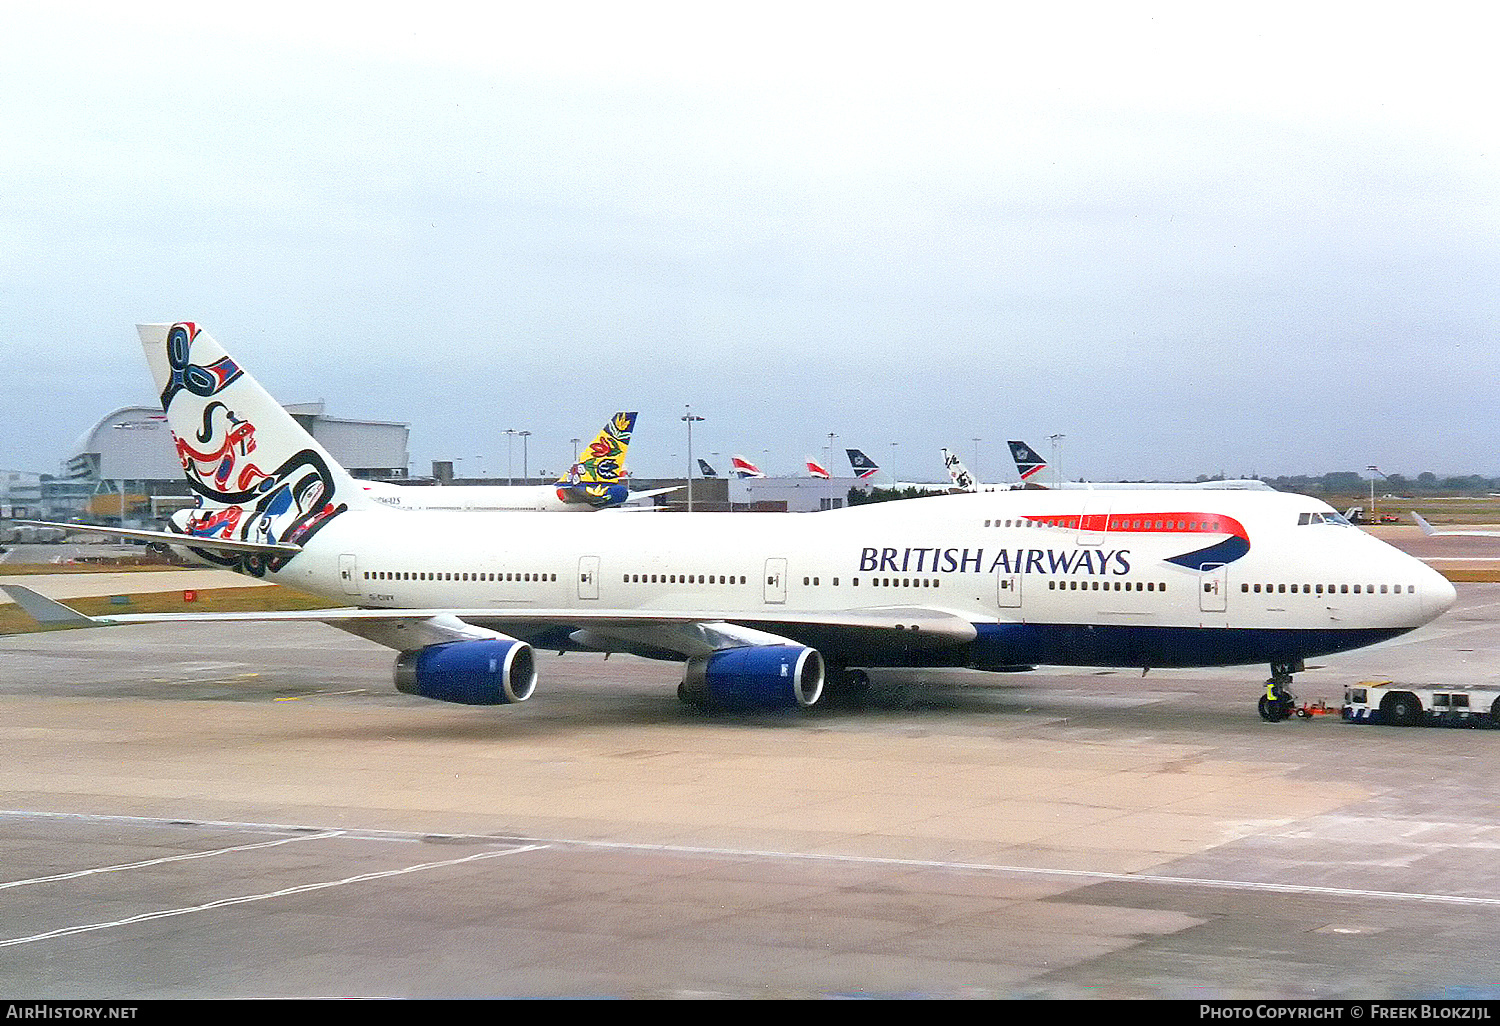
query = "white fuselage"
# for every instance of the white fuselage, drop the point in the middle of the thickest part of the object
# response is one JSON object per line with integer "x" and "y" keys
{"x": 992, "y": 558}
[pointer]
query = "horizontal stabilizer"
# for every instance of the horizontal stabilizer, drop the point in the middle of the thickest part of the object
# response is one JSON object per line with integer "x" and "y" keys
{"x": 172, "y": 538}
{"x": 47, "y": 612}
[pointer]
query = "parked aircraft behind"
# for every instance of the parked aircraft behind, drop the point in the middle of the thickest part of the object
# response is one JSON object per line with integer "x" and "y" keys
{"x": 1429, "y": 530}
{"x": 1029, "y": 464}
{"x": 964, "y": 481}
{"x": 744, "y": 468}
{"x": 816, "y": 469}
{"x": 866, "y": 468}
{"x": 705, "y": 469}
{"x": 596, "y": 481}
{"x": 762, "y": 609}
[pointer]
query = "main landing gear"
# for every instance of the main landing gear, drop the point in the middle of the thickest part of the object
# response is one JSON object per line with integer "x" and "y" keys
{"x": 1278, "y": 703}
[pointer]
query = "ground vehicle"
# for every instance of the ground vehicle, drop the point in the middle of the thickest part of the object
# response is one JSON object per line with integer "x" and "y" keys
{"x": 1411, "y": 705}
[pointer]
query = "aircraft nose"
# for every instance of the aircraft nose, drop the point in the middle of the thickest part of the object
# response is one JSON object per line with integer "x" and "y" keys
{"x": 1437, "y": 594}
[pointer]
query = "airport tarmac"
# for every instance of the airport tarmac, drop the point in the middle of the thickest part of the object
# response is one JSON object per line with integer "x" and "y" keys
{"x": 253, "y": 811}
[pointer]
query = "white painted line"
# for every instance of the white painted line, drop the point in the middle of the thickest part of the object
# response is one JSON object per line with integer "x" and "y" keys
{"x": 69, "y": 931}
{"x": 870, "y": 860}
{"x": 170, "y": 858}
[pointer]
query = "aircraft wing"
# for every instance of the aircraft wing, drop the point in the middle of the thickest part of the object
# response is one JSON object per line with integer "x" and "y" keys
{"x": 1429, "y": 530}
{"x": 685, "y": 633}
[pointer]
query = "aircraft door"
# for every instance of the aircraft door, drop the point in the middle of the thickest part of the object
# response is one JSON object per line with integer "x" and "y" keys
{"x": 588, "y": 577}
{"x": 1095, "y": 519}
{"x": 776, "y": 580}
{"x": 1213, "y": 588}
{"x": 348, "y": 574}
{"x": 1008, "y": 590}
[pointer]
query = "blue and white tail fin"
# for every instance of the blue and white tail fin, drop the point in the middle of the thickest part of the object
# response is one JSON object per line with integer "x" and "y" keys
{"x": 259, "y": 477}
{"x": 599, "y": 478}
{"x": 863, "y": 466}
{"x": 1028, "y": 463}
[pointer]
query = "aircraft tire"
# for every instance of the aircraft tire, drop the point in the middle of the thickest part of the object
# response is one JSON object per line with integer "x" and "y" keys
{"x": 1270, "y": 711}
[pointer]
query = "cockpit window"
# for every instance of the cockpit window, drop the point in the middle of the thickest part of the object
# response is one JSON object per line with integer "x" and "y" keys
{"x": 1323, "y": 518}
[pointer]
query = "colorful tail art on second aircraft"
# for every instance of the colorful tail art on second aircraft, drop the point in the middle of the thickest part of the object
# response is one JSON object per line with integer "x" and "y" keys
{"x": 816, "y": 469}
{"x": 599, "y": 477}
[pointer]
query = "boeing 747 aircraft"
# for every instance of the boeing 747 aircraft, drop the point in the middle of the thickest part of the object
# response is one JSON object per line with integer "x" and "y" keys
{"x": 761, "y": 609}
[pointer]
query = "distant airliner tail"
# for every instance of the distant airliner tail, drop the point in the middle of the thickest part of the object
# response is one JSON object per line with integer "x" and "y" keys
{"x": 599, "y": 477}
{"x": 744, "y": 468}
{"x": 705, "y": 469}
{"x": 816, "y": 469}
{"x": 258, "y": 476}
{"x": 963, "y": 481}
{"x": 1028, "y": 463}
{"x": 863, "y": 466}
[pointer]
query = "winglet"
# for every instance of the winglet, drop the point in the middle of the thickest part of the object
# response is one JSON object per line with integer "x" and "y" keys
{"x": 1423, "y": 524}
{"x": 46, "y": 612}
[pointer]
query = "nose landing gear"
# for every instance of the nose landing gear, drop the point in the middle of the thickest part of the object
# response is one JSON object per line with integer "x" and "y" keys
{"x": 1278, "y": 703}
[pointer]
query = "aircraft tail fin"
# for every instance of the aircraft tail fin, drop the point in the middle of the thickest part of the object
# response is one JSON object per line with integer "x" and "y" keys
{"x": 963, "y": 481}
{"x": 816, "y": 469}
{"x": 705, "y": 469}
{"x": 744, "y": 468}
{"x": 1427, "y": 528}
{"x": 863, "y": 466}
{"x": 1028, "y": 463}
{"x": 599, "y": 477}
{"x": 258, "y": 475}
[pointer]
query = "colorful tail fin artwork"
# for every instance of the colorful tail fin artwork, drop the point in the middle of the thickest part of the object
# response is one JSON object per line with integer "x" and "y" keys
{"x": 864, "y": 467}
{"x": 258, "y": 476}
{"x": 1028, "y": 463}
{"x": 744, "y": 468}
{"x": 816, "y": 469}
{"x": 705, "y": 469}
{"x": 599, "y": 476}
{"x": 963, "y": 481}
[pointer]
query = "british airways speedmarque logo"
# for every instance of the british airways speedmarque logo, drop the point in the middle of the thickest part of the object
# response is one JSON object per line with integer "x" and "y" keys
{"x": 1223, "y": 550}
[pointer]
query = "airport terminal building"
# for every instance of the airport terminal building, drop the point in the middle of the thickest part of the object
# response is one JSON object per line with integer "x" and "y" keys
{"x": 127, "y": 464}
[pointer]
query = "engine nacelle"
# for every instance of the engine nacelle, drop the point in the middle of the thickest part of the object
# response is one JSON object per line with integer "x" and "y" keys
{"x": 494, "y": 671}
{"x": 756, "y": 677}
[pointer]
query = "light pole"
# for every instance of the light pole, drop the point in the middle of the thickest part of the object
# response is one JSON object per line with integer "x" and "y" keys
{"x": 510, "y": 452}
{"x": 690, "y": 419}
{"x": 576, "y": 442}
{"x": 525, "y": 472}
{"x": 1057, "y": 459}
{"x": 895, "y": 482}
{"x": 976, "y": 460}
{"x": 1373, "y": 518}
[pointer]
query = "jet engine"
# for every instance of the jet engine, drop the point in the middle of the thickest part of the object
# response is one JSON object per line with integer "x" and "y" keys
{"x": 755, "y": 677}
{"x": 493, "y": 671}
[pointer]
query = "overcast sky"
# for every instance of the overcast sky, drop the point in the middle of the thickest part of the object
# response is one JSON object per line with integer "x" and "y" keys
{"x": 1190, "y": 238}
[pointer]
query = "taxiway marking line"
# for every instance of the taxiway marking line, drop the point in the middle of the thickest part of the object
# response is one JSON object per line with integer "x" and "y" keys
{"x": 69, "y": 931}
{"x": 535, "y": 843}
{"x": 169, "y": 858}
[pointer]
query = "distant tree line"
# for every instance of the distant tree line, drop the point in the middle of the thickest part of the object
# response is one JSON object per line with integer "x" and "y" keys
{"x": 1341, "y": 482}
{"x": 1346, "y": 482}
